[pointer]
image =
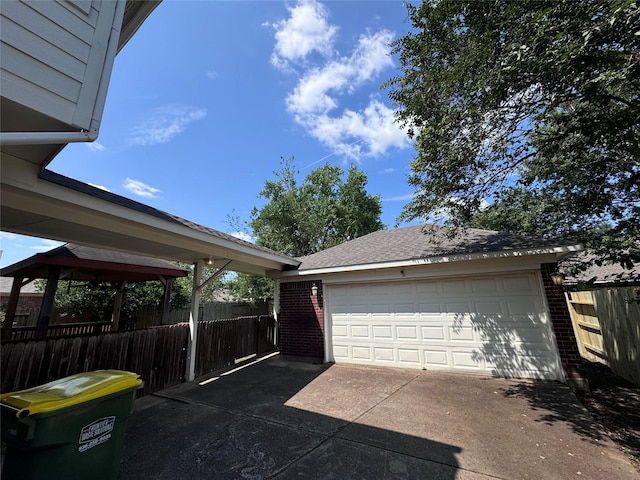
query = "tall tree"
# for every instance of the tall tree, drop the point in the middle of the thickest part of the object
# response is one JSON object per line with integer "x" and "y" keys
{"x": 299, "y": 219}
{"x": 531, "y": 106}
{"x": 323, "y": 211}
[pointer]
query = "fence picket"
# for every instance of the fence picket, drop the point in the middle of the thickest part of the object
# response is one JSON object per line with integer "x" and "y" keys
{"x": 157, "y": 354}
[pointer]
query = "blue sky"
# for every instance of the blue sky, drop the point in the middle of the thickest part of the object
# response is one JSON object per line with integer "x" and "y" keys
{"x": 208, "y": 95}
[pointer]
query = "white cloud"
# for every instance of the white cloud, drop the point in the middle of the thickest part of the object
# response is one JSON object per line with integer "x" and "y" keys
{"x": 165, "y": 123}
{"x": 373, "y": 129}
{"x": 46, "y": 245}
{"x": 242, "y": 236}
{"x": 95, "y": 146}
{"x": 388, "y": 170}
{"x": 141, "y": 189}
{"x": 315, "y": 101}
{"x": 306, "y": 30}
{"x": 399, "y": 198}
{"x": 211, "y": 74}
{"x": 101, "y": 187}
{"x": 317, "y": 91}
{"x": 8, "y": 236}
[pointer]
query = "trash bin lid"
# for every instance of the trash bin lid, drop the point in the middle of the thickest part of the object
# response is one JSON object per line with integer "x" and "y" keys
{"x": 69, "y": 391}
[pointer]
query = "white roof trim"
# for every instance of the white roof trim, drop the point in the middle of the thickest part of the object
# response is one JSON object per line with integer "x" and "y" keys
{"x": 559, "y": 252}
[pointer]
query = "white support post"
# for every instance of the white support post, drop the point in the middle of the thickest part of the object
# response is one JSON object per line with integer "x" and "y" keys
{"x": 276, "y": 298}
{"x": 193, "y": 320}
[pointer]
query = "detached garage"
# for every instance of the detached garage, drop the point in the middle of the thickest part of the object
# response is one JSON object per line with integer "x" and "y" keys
{"x": 481, "y": 302}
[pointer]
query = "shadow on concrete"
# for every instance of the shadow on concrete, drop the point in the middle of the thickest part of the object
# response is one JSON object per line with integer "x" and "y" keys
{"x": 552, "y": 398}
{"x": 243, "y": 426}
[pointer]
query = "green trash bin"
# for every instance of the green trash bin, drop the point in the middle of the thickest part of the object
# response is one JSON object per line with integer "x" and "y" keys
{"x": 72, "y": 428}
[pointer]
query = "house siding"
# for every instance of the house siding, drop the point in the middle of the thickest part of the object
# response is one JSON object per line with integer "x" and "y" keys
{"x": 301, "y": 321}
{"x": 562, "y": 327}
{"x": 55, "y": 55}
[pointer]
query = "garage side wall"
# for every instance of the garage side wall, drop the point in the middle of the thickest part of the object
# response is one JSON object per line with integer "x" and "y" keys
{"x": 301, "y": 321}
{"x": 562, "y": 327}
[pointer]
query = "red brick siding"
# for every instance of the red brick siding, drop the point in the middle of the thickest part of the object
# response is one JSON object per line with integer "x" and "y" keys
{"x": 301, "y": 320}
{"x": 562, "y": 327}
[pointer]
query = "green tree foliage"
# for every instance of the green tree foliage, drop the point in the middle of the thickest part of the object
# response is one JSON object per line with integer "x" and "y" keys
{"x": 94, "y": 300}
{"x": 299, "y": 219}
{"x": 531, "y": 106}
{"x": 250, "y": 288}
{"x": 323, "y": 211}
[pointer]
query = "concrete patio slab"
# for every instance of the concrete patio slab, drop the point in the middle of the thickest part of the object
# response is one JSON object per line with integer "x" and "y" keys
{"x": 285, "y": 420}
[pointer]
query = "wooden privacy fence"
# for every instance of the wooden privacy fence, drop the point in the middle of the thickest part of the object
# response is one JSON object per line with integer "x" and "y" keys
{"x": 148, "y": 316}
{"x": 222, "y": 343}
{"x": 607, "y": 326}
{"x": 157, "y": 354}
{"x": 62, "y": 330}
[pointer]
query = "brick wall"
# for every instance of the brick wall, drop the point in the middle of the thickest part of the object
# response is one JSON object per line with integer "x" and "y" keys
{"x": 562, "y": 327}
{"x": 301, "y": 321}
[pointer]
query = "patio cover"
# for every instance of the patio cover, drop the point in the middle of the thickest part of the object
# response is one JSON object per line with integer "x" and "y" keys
{"x": 75, "y": 262}
{"x": 42, "y": 203}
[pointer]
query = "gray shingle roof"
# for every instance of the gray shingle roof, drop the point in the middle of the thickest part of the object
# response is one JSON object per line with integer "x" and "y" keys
{"x": 88, "y": 263}
{"x": 146, "y": 209}
{"x": 607, "y": 273}
{"x": 411, "y": 243}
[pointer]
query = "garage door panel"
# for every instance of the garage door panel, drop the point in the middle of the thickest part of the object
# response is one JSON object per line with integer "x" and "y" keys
{"x": 484, "y": 286}
{"x": 360, "y": 331}
{"x": 462, "y": 334}
{"x": 433, "y": 333}
{"x": 517, "y": 284}
{"x": 467, "y": 360}
{"x": 405, "y": 310}
{"x": 361, "y": 353}
{"x": 340, "y": 352}
{"x": 382, "y": 332}
{"x": 424, "y": 289}
{"x": 409, "y": 356}
{"x": 529, "y": 336}
{"x": 407, "y": 332}
{"x": 340, "y": 331}
{"x": 430, "y": 309}
{"x": 383, "y": 354}
{"x": 488, "y": 308}
{"x": 522, "y": 305}
{"x": 457, "y": 308}
{"x": 380, "y": 309}
{"x": 521, "y": 320}
{"x": 454, "y": 287}
{"x": 489, "y": 325}
{"x": 436, "y": 358}
{"x": 362, "y": 309}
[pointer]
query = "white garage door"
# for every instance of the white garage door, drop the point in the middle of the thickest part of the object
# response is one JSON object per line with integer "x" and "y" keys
{"x": 489, "y": 325}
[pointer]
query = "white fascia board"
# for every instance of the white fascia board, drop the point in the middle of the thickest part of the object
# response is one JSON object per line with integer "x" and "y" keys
{"x": 545, "y": 254}
{"x": 439, "y": 271}
{"x": 23, "y": 188}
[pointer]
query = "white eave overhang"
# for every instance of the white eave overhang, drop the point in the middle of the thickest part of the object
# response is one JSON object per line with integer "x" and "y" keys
{"x": 544, "y": 255}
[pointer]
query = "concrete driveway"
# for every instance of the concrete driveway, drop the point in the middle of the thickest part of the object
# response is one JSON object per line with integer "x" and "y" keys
{"x": 287, "y": 420}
